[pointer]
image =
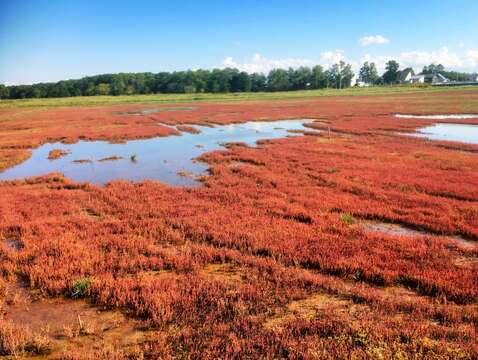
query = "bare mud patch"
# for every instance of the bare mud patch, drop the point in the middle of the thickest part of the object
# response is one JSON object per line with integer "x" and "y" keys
{"x": 226, "y": 273}
{"x": 400, "y": 230}
{"x": 308, "y": 308}
{"x": 67, "y": 325}
{"x": 390, "y": 229}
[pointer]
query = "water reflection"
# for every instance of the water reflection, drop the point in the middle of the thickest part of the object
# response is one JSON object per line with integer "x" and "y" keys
{"x": 450, "y": 132}
{"x": 160, "y": 158}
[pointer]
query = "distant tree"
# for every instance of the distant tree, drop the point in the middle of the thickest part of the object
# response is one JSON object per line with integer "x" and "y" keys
{"x": 176, "y": 83}
{"x": 318, "y": 78}
{"x": 258, "y": 82}
{"x": 368, "y": 73}
{"x": 339, "y": 75}
{"x": 240, "y": 82}
{"x": 278, "y": 80}
{"x": 118, "y": 86}
{"x": 90, "y": 90}
{"x": 200, "y": 79}
{"x": 391, "y": 72}
{"x": 219, "y": 81}
{"x": 346, "y": 74}
{"x": 60, "y": 89}
{"x": 374, "y": 76}
{"x": 4, "y": 92}
{"x": 300, "y": 78}
{"x": 456, "y": 76}
{"x": 102, "y": 89}
{"x": 129, "y": 90}
{"x": 433, "y": 69}
{"x": 364, "y": 72}
{"x": 330, "y": 77}
{"x": 36, "y": 92}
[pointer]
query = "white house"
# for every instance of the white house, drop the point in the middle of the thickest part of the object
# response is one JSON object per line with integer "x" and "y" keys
{"x": 428, "y": 78}
{"x": 362, "y": 84}
{"x": 417, "y": 79}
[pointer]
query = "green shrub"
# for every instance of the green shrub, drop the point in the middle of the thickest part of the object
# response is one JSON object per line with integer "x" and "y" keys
{"x": 81, "y": 287}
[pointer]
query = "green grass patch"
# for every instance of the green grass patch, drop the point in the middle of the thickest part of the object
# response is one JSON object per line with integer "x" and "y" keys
{"x": 226, "y": 97}
{"x": 348, "y": 219}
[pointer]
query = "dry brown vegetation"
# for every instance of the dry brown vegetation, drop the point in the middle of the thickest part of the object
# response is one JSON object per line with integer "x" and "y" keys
{"x": 111, "y": 158}
{"x": 273, "y": 257}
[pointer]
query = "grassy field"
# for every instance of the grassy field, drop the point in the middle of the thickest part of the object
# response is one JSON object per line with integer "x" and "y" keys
{"x": 350, "y": 242}
{"x": 230, "y": 97}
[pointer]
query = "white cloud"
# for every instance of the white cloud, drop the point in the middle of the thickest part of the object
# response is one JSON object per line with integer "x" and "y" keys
{"x": 443, "y": 56}
{"x": 262, "y": 64}
{"x": 373, "y": 40}
{"x": 379, "y": 61}
{"x": 471, "y": 58}
{"x": 465, "y": 60}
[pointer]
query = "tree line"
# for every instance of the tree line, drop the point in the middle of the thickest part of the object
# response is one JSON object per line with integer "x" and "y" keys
{"x": 198, "y": 81}
{"x": 339, "y": 75}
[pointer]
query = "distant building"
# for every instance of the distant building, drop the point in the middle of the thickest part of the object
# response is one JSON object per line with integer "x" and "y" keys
{"x": 405, "y": 76}
{"x": 428, "y": 78}
{"x": 472, "y": 77}
{"x": 415, "y": 79}
{"x": 362, "y": 84}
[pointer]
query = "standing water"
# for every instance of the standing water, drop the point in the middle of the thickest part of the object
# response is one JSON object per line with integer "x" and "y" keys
{"x": 467, "y": 133}
{"x": 160, "y": 158}
{"x": 438, "y": 117}
{"x": 450, "y": 132}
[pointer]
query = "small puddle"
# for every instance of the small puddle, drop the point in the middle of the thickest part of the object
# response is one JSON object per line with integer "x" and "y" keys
{"x": 438, "y": 117}
{"x": 166, "y": 159}
{"x": 450, "y": 132}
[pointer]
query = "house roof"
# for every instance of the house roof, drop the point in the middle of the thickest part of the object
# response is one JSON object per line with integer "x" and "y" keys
{"x": 441, "y": 77}
{"x": 404, "y": 74}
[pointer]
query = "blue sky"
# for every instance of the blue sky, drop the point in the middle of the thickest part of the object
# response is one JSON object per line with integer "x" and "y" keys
{"x": 50, "y": 40}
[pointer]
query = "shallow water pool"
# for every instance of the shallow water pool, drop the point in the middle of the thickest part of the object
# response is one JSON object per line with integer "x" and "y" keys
{"x": 438, "y": 117}
{"x": 450, "y": 132}
{"x": 166, "y": 159}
